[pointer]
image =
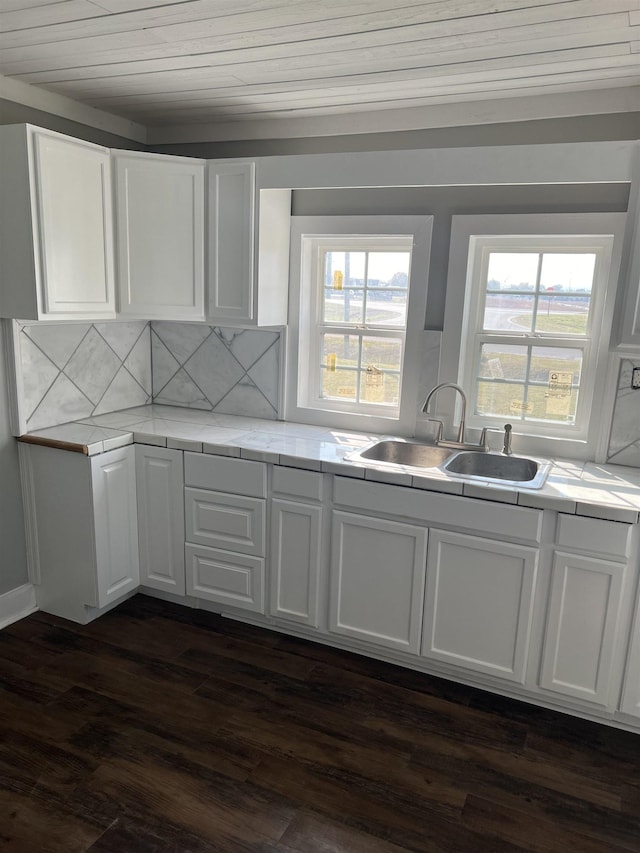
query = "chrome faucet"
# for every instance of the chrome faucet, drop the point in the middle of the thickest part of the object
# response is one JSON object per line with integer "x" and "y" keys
{"x": 506, "y": 447}
{"x": 463, "y": 413}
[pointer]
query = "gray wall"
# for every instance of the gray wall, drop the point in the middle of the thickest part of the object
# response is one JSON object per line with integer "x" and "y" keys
{"x": 598, "y": 128}
{"x": 13, "y": 559}
{"x": 12, "y": 113}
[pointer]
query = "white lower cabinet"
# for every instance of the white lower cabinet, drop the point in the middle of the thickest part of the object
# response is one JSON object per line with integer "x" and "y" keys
{"x": 159, "y": 482}
{"x": 225, "y": 522}
{"x": 583, "y": 622}
{"x": 295, "y": 561}
{"x": 234, "y": 580}
{"x": 297, "y": 547}
{"x": 630, "y": 701}
{"x": 479, "y": 604}
{"x": 377, "y": 580}
{"x": 82, "y": 529}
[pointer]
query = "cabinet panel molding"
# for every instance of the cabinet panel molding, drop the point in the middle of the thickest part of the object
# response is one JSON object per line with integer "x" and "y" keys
{"x": 234, "y": 580}
{"x": 295, "y": 564}
{"x": 479, "y": 604}
{"x": 377, "y": 580}
{"x": 220, "y": 520}
{"x": 159, "y": 486}
{"x": 160, "y": 235}
{"x": 582, "y": 628}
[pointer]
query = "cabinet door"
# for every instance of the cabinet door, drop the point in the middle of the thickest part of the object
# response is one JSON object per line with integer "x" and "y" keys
{"x": 581, "y": 630}
{"x": 231, "y": 240}
{"x": 159, "y": 487}
{"x": 296, "y": 554}
{"x": 234, "y": 580}
{"x": 479, "y": 603}
{"x": 160, "y": 236}
{"x": 73, "y": 187}
{"x": 377, "y": 580}
{"x": 116, "y": 524}
{"x": 630, "y": 702}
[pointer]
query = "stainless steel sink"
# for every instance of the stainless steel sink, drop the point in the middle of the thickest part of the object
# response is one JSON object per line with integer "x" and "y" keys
{"x": 498, "y": 468}
{"x": 408, "y": 453}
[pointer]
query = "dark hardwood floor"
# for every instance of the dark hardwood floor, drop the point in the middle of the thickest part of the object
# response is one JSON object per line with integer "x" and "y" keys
{"x": 158, "y": 728}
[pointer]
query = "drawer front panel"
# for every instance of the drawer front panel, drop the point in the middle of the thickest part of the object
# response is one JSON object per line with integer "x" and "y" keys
{"x": 234, "y": 580}
{"x": 225, "y": 521}
{"x": 298, "y": 483}
{"x": 225, "y": 474}
{"x": 435, "y": 509}
{"x": 608, "y": 538}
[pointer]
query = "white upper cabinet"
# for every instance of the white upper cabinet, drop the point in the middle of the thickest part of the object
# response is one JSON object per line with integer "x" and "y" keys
{"x": 160, "y": 235}
{"x": 248, "y": 265}
{"x": 56, "y": 243}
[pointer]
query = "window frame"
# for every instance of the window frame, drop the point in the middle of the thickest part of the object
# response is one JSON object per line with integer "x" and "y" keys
{"x": 472, "y": 239}
{"x": 309, "y": 236}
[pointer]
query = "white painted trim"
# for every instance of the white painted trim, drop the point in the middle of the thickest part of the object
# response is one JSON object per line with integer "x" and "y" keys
{"x": 17, "y": 603}
{"x": 30, "y": 513}
{"x": 13, "y": 373}
{"x": 440, "y": 113}
{"x": 60, "y": 105}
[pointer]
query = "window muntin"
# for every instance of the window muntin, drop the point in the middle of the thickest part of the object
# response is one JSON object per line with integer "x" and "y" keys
{"x": 357, "y": 322}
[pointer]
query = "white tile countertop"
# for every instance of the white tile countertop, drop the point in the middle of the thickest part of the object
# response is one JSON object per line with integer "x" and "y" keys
{"x": 584, "y": 488}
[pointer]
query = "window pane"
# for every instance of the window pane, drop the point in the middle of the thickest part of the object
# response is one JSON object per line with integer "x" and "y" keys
{"x": 382, "y": 353}
{"x": 556, "y": 366}
{"x": 508, "y": 312}
{"x": 386, "y": 392}
{"x": 339, "y": 384}
{"x": 500, "y": 361}
{"x": 500, "y": 398}
{"x": 512, "y": 271}
{"x": 389, "y": 268}
{"x": 339, "y": 350}
{"x": 350, "y": 264}
{"x": 572, "y": 272}
{"x": 547, "y": 406}
{"x": 386, "y": 307}
{"x": 343, "y": 306}
{"x": 563, "y": 314}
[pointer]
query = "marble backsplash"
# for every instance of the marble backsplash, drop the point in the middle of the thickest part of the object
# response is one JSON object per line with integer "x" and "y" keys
{"x": 230, "y": 371}
{"x": 70, "y": 371}
{"x": 624, "y": 441}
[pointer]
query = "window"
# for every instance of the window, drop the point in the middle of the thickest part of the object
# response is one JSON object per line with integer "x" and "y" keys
{"x": 352, "y": 306}
{"x": 537, "y": 309}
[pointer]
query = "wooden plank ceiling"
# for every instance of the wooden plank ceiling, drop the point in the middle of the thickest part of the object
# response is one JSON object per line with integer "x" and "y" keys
{"x": 185, "y": 62}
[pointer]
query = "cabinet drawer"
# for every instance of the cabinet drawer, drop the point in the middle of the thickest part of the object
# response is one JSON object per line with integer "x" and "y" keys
{"x": 234, "y": 580}
{"x": 437, "y": 510}
{"x": 225, "y": 474}
{"x": 298, "y": 483}
{"x": 225, "y": 521}
{"x": 608, "y": 538}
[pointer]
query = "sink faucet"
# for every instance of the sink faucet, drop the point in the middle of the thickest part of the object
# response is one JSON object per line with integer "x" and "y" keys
{"x": 506, "y": 447}
{"x": 463, "y": 413}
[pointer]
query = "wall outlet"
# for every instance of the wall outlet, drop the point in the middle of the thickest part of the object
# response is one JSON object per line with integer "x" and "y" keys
{"x": 635, "y": 377}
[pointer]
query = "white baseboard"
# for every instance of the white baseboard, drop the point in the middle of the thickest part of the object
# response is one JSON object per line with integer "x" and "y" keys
{"x": 17, "y": 603}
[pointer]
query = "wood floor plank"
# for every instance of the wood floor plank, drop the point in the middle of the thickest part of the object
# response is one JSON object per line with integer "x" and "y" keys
{"x": 161, "y": 729}
{"x": 511, "y": 825}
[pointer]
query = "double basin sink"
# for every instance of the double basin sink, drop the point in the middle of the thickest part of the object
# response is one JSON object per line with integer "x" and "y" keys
{"x": 474, "y": 465}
